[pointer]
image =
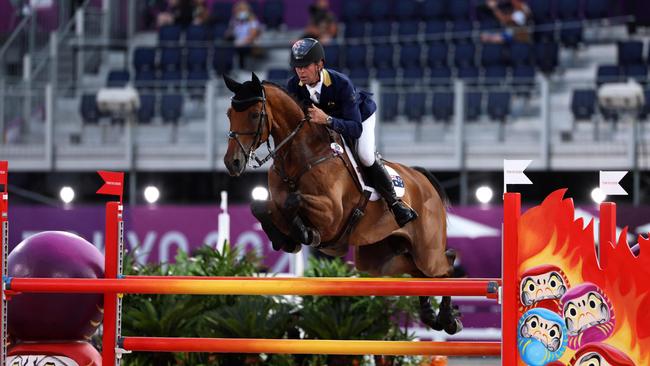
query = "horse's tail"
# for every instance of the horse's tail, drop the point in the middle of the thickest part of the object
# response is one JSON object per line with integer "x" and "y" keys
{"x": 436, "y": 185}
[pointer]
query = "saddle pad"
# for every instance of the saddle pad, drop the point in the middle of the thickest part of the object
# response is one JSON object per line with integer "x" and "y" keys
{"x": 398, "y": 182}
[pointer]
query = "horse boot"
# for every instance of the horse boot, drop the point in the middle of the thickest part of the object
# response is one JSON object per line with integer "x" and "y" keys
{"x": 383, "y": 183}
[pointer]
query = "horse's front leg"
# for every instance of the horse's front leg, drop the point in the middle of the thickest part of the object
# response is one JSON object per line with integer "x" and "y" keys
{"x": 300, "y": 228}
{"x": 265, "y": 212}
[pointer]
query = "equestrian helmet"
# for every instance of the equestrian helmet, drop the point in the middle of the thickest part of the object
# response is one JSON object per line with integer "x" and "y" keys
{"x": 306, "y": 51}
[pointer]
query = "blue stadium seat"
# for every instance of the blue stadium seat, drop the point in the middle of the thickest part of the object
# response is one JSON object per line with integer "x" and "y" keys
{"x": 440, "y": 76}
{"x": 273, "y": 13}
{"x": 596, "y": 9}
{"x": 222, "y": 61}
{"x": 170, "y": 78}
{"x": 382, "y": 55}
{"x": 145, "y": 79}
{"x": 197, "y": 34}
{"x": 170, "y": 58}
{"x": 219, "y": 31}
{"x": 196, "y": 80}
{"x": 412, "y": 74}
{"x": 333, "y": 56}
{"x": 171, "y": 107}
{"x": 379, "y": 10}
{"x": 523, "y": 77}
{"x": 352, "y": 12}
{"x": 117, "y": 78}
{"x": 630, "y": 53}
{"x": 492, "y": 54}
{"x": 462, "y": 31}
{"x": 458, "y": 10}
{"x": 608, "y": 74}
{"x": 541, "y": 10}
{"x": 169, "y": 34}
{"x": 279, "y": 76}
{"x": 583, "y": 104}
{"x": 443, "y": 106}
{"x": 408, "y": 29}
{"x": 144, "y": 58}
{"x": 434, "y": 9}
{"x": 414, "y": 106}
{"x": 88, "y": 109}
{"x": 388, "y": 109}
{"x": 147, "y": 108}
{"x": 355, "y": 30}
{"x": 495, "y": 75}
{"x": 360, "y": 76}
{"x": 381, "y": 29}
{"x": 386, "y": 74}
{"x": 221, "y": 12}
{"x": 473, "y": 105}
{"x": 437, "y": 54}
{"x": 464, "y": 54}
{"x": 568, "y": 10}
{"x": 435, "y": 30}
{"x": 498, "y": 105}
{"x": 571, "y": 34}
{"x": 469, "y": 74}
{"x": 355, "y": 56}
{"x": 546, "y": 56}
{"x": 638, "y": 72}
{"x": 406, "y": 10}
{"x": 197, "y": 58}
{"x": 521, "y": 54}
{"x": 409, "y": 55}
{"x": 645, "y": 111}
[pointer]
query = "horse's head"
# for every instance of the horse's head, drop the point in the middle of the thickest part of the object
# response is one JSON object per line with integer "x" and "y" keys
{"x": 248, "y": 122}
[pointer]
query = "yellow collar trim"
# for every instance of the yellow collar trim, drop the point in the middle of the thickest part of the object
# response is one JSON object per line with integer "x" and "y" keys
{"x": 327, "y": 80}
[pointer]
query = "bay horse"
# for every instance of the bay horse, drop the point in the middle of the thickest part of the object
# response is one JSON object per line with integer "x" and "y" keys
{"x": 315, "y": 195}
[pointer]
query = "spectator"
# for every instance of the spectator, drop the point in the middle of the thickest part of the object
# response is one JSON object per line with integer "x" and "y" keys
{"x": 322, "y": 22}
{"x": 243, "y": 30}
{"x": 516, "y": 21}
{"x": 177, "y": 12}
{"x": 201, "y": 12}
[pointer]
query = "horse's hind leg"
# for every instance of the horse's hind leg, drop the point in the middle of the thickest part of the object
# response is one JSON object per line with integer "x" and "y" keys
{"x": 448, "y": 317}
{"x": 279, "y": 240}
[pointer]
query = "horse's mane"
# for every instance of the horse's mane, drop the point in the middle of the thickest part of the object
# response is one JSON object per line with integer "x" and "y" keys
{"x": 286, "y": 92}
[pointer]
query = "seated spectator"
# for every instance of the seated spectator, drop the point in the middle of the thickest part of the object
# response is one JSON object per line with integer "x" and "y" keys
{"x": 201, "y": 13}
{"x": 322, "y": 22}
{"x": 243, "y": 30}
{"x": 177, "y": 12}
{"x": 515, "y": 21}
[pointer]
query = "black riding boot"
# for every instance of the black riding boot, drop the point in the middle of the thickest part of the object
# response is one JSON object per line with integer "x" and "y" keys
{"x": 381, "y": 180}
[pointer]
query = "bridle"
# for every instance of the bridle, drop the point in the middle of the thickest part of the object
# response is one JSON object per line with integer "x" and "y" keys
{"x": 257, "y": 140}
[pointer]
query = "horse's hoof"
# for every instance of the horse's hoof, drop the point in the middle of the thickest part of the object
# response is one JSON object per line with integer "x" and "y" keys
{"x": 292, "y": 248}
{"x": 454, "y": 327}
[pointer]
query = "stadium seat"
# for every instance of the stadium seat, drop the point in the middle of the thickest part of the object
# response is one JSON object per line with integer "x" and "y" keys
{"x": 382, "y": 55}
{"x": 571, "y": 34}
{"x": 197, "y": 58}
{"x": 596, "y": 9}
{"x": 196, "y": 80}
{"x": 469, "y": 74}
{"x": 222, "y": 61}
{"x": 169, "y": 34}
{"x": 171, "y": 107}
{"x": 521, "y": 54}
{"x": 473, "y": 105}
{"x": 408, "y": 30}
{"x": 381, "y": 30}
{"x": 386, "y": 74}
{"x": 523, "y": 77}
{"x": 435, "y": 30}
{"x": 541, "y": 10}
{"x": 145, "y": 79}
{"x": 379, "y": 10}
{"x": 170, "y": 78}
{"x": 495, "y": 75}
{"x": 147, "y": 108}
{"x": 645, "y": 111}
{"x": 410, "y": 54}
{"x": 352, "y": 11}
{"x": 630, "y": 53}
{"x": 492, "y": 55}
{"x": 568, "y": 10}
{"x": 221, "y": 12}
{"x": 583, "y": 104}
{"x": 88, "y": 109}
{"x": 498, "y": 105}
{"x": 389, "y": 104}
{"x": 437, "y": 54}
{"x": 434, "y": 9}
{"x": 443, "y": 106}
{"x": 412, "y": 74}
{"x": 440, "y": 76}
{"x": 273, "y": 13}
{"x": 464, "y": 55}
{"x": 407, "y": 10}
{"x": 355, "y": 30}
{"x": 462, "y": 31}
{"x": 458, "y": 10}
{"x": 414, "y": 106}
{"x": 144, "y": 58}
{"x": 360, "y": 77}
{"x": 117, "y": 78}
{"x": 197, "y": 34}
{"x": 546, "y": 56}
{"x": 219, "y": 31}
{"x": 170, "y": 58}
{"x": 278, "y": 76}
{"x": 608, "y": 74}
{"x": 355, "y": 56}
{"x": 638, "y": 72}
{"x": 333, "y": 56}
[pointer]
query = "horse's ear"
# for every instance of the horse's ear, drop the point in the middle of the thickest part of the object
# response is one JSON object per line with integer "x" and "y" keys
{"x": 231, "y": 84}
{"x": 255, "y": 79}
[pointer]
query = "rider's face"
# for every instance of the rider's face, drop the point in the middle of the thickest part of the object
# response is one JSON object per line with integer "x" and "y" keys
{"x": 309, "y": 74}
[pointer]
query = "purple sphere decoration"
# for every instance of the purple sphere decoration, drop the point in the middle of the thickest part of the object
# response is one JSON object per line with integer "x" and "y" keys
{"x": 55, "y": 317}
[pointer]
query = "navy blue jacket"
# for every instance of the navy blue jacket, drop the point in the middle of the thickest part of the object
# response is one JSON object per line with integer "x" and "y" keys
{"x": 339, "y": 99}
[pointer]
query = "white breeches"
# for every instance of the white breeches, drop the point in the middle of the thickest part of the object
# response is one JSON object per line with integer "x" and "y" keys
{"x": 366, "y": 143}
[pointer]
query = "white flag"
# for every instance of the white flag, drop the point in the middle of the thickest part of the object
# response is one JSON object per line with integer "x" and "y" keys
{"x": 513, "y": 172}
{"x": 609, "y": 182}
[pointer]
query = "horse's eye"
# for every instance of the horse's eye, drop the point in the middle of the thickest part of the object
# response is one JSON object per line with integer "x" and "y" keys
{"x": 255, "y": 115}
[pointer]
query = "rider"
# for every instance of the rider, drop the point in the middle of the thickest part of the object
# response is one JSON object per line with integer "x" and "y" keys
{"x": 336, "y": 103}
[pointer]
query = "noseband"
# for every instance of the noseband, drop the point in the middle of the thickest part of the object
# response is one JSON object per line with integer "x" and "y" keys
{"x": 257, "y": 140}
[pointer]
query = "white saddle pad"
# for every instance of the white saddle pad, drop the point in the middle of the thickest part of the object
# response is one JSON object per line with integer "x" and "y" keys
{"x": 398, "y": 182}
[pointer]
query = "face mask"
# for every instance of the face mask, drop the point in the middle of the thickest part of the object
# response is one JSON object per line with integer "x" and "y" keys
{"x": 242, "y": 15}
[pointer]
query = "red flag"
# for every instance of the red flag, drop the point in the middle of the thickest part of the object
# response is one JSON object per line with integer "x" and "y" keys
{"x": 4, "y": 165}
{"x": 113, "y": 183}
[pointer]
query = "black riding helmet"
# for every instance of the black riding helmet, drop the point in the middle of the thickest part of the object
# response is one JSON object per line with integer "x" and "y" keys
{"x": 306, "y": 51}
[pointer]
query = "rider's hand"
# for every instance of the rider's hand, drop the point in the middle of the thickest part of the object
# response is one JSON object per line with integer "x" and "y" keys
{"x": 317, "y": 115}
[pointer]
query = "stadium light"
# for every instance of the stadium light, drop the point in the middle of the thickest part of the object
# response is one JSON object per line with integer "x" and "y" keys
{"x": 151, "y": 194}
{"x": 597, "y": 195}
{"x": 66, "y": 194}
{"x": 260, "y": 193}
{"x": 484, "y": 194}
